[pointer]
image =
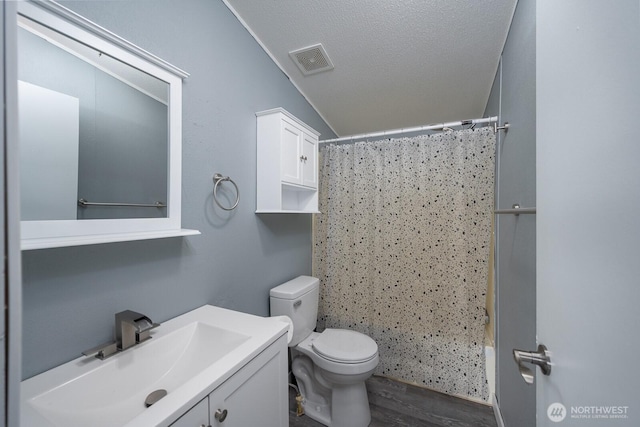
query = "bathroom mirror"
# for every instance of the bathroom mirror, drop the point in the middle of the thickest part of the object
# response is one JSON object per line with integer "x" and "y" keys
{"x": 100, "y": 133}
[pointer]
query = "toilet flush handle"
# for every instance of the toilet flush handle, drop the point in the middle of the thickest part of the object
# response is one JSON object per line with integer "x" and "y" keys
{"x": 297, "y": 303}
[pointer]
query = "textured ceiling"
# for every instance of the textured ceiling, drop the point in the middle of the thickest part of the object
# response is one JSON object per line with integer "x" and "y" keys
{"x": 399, "y": 63}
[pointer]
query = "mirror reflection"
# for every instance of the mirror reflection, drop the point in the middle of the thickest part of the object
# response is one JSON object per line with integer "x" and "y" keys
{"x": 94, "y": 132}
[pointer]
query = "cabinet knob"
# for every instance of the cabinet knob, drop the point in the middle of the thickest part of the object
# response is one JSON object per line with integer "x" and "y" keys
{"x": 220, "y": 415}
{"x": 303, "y": 158}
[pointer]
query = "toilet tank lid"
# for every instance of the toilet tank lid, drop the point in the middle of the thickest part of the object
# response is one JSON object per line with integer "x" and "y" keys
{"x": 295, "y": 288}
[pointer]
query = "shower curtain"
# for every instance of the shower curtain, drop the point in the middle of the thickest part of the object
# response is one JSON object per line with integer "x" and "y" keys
{"x": 402, "y": 251}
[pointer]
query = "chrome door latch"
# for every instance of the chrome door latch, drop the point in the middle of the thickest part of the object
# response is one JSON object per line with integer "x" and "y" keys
{"x": 540, "y": 358}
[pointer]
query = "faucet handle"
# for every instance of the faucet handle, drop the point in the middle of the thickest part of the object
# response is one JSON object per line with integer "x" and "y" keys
{"x": 102, "y": 351}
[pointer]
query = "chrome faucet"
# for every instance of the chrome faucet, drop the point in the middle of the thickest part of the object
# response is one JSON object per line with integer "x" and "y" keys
{"x": 131, "y": 328}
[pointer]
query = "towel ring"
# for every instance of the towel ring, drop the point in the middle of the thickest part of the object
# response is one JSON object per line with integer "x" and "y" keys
{"x": 217, "y": 179}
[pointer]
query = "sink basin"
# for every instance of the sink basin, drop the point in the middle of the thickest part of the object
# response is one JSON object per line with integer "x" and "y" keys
{"x": 165, "y": 363}
{"x": 187, "y": 357}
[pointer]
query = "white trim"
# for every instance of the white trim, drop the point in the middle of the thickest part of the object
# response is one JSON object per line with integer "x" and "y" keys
{"x": 100, "y": 32}
{"x": 459, "y": 396}
{"x": 13, "y": 261}
{"x": 273, "y": 58}
{"x": 497, "y": 413}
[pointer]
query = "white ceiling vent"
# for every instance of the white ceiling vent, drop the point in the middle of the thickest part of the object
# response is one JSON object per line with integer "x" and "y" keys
{"x": 312, "y": 59}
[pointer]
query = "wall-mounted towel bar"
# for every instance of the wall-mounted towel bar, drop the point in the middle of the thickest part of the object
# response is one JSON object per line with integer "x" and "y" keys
{"x": 516, "y": 210}
{"x": 83, "y": 203}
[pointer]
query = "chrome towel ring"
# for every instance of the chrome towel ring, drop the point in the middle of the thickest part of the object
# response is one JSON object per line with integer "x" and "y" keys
{"x": 217, "y": 179}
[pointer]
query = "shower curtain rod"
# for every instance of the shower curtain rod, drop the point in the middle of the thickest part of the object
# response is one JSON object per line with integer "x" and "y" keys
{"x": 440, "y": 126}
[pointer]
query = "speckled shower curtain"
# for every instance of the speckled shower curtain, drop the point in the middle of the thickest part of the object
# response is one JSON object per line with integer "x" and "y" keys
{"x": 402, "y": 251}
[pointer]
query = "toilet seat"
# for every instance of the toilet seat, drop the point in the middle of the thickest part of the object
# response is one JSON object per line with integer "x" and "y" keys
{"x": 345, "y": 346}
{"x": 306, "y": 347}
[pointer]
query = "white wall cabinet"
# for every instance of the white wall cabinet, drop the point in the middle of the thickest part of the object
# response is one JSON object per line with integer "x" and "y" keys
{"x": 256, "y": 395}
{"x": 287, "y": 164}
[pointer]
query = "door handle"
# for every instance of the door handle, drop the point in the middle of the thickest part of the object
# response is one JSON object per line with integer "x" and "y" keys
{"x": 220, "y": 415}
{"x": 540, "y": 358}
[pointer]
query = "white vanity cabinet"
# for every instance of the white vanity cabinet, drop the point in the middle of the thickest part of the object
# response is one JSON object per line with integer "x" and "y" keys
{"x": 198, "y": 416}
{"x": 287, "y": 164}
{"x": 256, "y": 395}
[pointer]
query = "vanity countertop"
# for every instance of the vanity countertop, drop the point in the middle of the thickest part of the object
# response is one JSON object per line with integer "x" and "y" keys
{"x": 189, "y": 356}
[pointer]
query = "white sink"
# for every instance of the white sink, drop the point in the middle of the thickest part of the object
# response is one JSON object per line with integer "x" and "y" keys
{"x": 115, "y": 391}
{"x": 188, "y": 357}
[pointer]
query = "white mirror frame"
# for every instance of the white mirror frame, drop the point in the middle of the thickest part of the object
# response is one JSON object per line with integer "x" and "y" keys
{"x": 48, "y": 234}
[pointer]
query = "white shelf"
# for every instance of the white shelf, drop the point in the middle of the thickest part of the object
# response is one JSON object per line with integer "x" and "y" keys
{"x": 58, "y": 242}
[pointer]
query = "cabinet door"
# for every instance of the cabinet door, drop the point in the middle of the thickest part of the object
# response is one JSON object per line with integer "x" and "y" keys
{"x": 198, "y": 416}
{"x": 256, "y": 395}
{"x": 309, "y": 161}
{"x": 290, "y": 154}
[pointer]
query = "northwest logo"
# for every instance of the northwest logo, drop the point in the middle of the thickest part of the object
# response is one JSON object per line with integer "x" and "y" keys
{"x": 556, "y": 412}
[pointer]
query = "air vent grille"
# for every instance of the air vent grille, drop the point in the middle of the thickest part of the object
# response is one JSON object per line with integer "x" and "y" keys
{"x": 312, "y": 59}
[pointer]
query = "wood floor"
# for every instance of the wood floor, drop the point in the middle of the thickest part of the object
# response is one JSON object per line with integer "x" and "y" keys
{"x": 395, "y": 404}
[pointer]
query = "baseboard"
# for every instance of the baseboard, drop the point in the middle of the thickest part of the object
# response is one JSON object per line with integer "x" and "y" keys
{"x": 459, "y": 396}
{"x": 496, "y": 412}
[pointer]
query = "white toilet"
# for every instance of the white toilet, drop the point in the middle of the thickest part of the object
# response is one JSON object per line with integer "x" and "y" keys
{"x": 331, "y": 366}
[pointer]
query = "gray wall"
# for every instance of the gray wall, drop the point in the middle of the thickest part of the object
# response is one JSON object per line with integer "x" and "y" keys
{"x": 513, "y": 97}
{"x": 71, "y": 294}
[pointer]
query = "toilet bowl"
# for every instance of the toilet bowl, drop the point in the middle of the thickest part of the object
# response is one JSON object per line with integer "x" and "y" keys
{"x": 330, "y": 367}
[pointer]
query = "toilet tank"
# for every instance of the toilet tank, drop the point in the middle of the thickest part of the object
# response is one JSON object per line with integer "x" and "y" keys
{"x": 298, "y": 299}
